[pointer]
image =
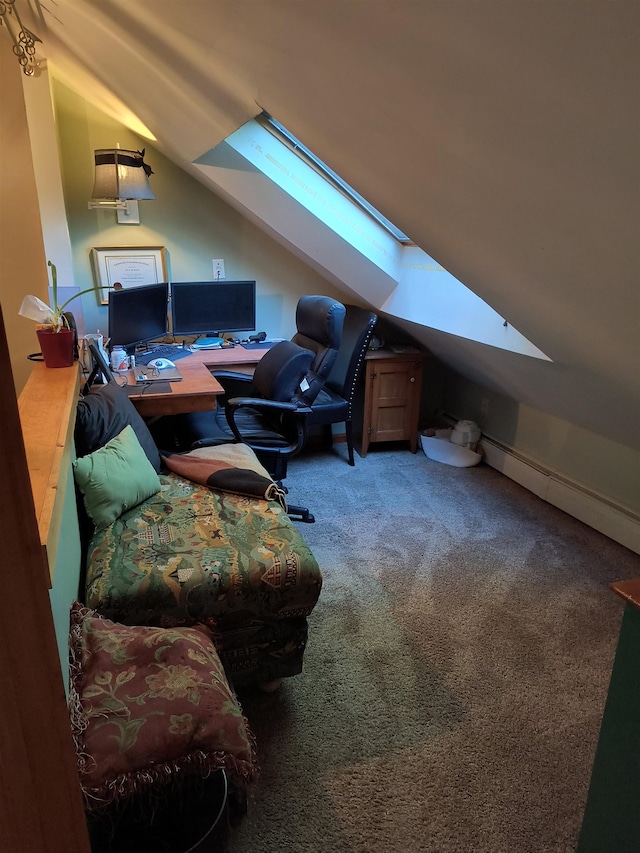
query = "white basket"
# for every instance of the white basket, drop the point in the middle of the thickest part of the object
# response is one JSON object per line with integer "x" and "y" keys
{"x": 439, "y": 448}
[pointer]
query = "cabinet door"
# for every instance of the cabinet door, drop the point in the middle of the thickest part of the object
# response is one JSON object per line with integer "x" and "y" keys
{"x": 390, "y": 398}
{"x": 395, "y": 401}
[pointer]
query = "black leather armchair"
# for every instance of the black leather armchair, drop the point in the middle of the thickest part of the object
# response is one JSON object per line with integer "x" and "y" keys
{"x": 268, "y": 411}
{"x": 334, "y": 403}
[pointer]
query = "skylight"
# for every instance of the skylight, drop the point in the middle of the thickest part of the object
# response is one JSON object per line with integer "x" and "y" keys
{"x": 288, "y": 139}
{"x": 271, "y": 176}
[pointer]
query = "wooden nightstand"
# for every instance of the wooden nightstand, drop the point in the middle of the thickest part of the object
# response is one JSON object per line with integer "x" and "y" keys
{"x": 393, "y": 384}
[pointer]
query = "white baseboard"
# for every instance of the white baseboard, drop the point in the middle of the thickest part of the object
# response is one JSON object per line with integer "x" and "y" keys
{"x": 616, "y": 522}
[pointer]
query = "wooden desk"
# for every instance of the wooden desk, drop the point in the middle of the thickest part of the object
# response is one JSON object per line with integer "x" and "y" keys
{"x": 198, "y": 389}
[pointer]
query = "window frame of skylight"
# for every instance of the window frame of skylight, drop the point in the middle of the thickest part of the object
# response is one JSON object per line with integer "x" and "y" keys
{"x": 287, "y": 138}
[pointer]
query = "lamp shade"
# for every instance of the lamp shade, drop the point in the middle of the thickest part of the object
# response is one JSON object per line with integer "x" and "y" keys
{"x": 121, "y": 174}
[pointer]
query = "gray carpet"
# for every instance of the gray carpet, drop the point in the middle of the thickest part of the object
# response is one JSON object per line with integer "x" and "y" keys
{"x": 456, "y": 671}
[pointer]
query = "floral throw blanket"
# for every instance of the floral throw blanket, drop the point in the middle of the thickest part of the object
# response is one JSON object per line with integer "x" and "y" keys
{"x": 228, "y": 468}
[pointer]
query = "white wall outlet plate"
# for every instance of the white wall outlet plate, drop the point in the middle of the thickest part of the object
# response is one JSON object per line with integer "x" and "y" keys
{"x": 218, "y": 268}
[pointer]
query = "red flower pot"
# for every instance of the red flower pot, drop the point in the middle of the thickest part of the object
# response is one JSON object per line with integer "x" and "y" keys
{"x": 56, "y": 347}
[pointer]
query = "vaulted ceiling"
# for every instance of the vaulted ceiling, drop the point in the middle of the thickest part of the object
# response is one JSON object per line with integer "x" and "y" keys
{"x": 502, "y": 136}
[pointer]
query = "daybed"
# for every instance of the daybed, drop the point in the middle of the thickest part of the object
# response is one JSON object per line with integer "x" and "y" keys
{"x": 168, "y": 550}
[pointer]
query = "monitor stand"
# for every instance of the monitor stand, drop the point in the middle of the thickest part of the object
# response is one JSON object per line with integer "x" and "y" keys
{"x": 207, "y": 343}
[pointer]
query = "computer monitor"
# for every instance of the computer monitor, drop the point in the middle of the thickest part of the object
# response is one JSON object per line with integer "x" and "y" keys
{"x": 138, "y": 314}
{"x": 211, "y": 307}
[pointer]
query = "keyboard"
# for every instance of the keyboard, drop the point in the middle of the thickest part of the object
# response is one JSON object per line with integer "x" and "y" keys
{"x": 163, "y": 351}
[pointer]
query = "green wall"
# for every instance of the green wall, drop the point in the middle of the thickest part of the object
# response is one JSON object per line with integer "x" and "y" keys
{"x": 602, "y": 466}
{"x": 192, "y": 223}
{"x": 66, "y": 574}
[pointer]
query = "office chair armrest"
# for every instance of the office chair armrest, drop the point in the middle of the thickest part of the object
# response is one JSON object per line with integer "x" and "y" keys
{"x": 234, "y": 384}
{"x": 231, "y": 374}
{"x": 298, "y": 418}
{"x": 267, "y": 405}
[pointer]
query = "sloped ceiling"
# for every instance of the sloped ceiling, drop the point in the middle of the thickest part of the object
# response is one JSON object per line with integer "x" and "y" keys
{"x": 502, "y": 136}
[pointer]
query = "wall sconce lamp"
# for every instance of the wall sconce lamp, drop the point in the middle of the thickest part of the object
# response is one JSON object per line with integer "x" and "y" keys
{"x": 24, "y": 41}
{"x": 121, "y": 180}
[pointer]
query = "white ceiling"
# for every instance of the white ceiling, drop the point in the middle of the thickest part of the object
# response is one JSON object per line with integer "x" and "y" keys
{"x": 502, "y": 136}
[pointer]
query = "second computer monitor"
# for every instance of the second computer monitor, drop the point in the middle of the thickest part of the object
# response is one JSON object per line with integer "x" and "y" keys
{"x": 210, "y": 307}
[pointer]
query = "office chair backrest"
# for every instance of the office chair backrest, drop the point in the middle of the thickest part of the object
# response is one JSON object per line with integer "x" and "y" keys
{"x": 356, "y": 333}
{"x": 280, "y": 371}
{"x": 319, "y": 322}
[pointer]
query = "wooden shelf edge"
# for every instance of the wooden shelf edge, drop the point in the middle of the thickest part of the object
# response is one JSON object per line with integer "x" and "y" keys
{"x": 628, "y": 590}
{"x": 47, "y": 408}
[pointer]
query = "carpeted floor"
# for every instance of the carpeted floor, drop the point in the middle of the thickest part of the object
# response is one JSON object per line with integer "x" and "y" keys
{"x": 456, "y": 671}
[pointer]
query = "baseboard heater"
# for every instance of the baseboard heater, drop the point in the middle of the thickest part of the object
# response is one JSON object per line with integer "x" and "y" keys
{"x": 616, "y": 522}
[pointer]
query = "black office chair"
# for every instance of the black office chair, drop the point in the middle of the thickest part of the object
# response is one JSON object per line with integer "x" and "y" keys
{"x": 334, "y": 403}
{"x": 268, "y": 411}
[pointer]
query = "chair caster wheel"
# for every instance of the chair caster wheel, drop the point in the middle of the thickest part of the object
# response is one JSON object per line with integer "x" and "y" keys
{"x": 307, "y": 517}
{"x": 301, "y": 513}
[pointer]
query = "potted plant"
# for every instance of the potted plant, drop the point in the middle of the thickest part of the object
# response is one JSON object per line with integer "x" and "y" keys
{"x": 55, "y": 337}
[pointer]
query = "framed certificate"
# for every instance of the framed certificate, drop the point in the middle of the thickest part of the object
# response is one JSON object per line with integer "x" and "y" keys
{"x": 128, "y": 267}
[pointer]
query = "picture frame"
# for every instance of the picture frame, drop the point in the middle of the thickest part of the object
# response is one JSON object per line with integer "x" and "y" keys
{"x": 127, "y": 266}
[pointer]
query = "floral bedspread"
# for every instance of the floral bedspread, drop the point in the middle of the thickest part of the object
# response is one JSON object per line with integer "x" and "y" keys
{"x": 192, "y": 554}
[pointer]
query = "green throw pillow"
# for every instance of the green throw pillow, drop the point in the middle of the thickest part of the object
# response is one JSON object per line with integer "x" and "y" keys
{"x": 115, "y": 478}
